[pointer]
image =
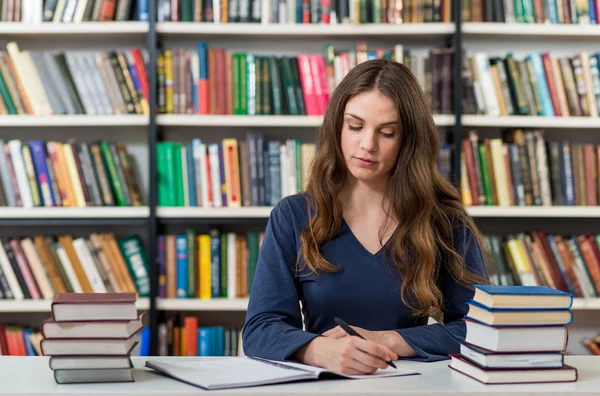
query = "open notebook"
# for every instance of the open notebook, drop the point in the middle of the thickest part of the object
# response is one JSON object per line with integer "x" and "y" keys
{"x": 237, "y": 372}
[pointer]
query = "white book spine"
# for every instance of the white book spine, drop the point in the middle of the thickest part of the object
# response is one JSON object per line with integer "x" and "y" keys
{"x": 215, "y": 175}
{"x": 199, "y": 166}
{"x": 490, "y": 97}
{"x": 88, "y": 265}
{"x": 231, "y": 266}
{"x": 37, "y": 269}
{"x": 80, "y": 11}
{"x": 11, "y": 278}
{"x": 22, "y": 181}
{"x": 185, "y": 177}
{"x": 206, "y": 200}
{"x": 68, "y": 267}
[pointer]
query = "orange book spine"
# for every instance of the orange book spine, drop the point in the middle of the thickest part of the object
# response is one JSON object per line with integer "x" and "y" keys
{"x": 191, "y": 338}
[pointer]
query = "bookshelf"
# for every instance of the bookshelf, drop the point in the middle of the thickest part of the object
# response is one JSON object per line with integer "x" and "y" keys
{"x": 73, "y": 121}
{"x": 497, "y": 29}
{"x": 136, "y": 212}
{"x": 104, "y": 29}
{"x": 24, "y": 306}
{"x": 144, "y": 132}
{"x": 572, "y": 122}
{"x": 310, "y": 31}
{"x": 287, "y": 121}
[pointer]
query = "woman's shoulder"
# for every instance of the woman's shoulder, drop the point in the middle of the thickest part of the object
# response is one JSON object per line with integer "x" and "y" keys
{"x": 292, "y": 211}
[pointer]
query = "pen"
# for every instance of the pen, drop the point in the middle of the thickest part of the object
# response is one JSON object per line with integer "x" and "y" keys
{"x": 352, "y": 332}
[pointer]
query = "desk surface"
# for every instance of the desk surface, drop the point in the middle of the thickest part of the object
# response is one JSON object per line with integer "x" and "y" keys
{"x": 31, "y": 376}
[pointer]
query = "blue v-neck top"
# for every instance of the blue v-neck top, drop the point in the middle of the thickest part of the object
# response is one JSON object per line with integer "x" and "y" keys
{"x": 365, "y": 292}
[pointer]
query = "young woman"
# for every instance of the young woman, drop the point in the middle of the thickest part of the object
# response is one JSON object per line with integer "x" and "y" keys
{"x": 379, "y": 239}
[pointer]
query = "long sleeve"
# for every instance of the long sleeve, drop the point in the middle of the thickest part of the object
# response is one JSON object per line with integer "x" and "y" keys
{"x": 273, "y": 328}
{"x": 435, "y": 342}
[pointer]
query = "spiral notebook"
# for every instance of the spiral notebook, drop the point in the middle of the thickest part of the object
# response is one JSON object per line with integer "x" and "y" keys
{"x": 238, "y": 372}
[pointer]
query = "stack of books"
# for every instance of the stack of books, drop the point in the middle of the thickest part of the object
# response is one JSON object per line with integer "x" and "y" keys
{"x": 90, "y": 336}
{"x": 516, "y": 334}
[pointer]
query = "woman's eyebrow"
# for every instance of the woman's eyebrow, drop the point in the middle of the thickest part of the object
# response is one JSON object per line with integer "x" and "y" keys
{"x": 382, "y": 124}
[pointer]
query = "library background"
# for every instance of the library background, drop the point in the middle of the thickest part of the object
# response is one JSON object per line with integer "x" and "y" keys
{"x": 143, "y": 145}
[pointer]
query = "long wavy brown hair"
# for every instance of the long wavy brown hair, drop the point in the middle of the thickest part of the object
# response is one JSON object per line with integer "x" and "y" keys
{"x": 426, "y": 205}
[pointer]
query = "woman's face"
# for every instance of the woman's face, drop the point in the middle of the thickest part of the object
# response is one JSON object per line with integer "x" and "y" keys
{"x": 370, "y": 137}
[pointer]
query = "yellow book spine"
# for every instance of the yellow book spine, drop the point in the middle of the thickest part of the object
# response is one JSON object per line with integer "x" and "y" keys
{"x": 73, "y": 175}
{"x": 169, "y": 81}
{"x": 232, "y": 172}
{"x": 204, "y": 266}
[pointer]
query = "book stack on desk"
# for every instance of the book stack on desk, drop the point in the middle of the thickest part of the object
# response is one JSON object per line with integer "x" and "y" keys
{"x": 516, "y": 334}
{"x": 90, "y": 336}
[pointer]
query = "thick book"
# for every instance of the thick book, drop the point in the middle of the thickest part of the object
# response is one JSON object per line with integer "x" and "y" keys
{"x": 87, "y": 376}
{"x": 522, "y": 297}
{"x": 516, "y": 338}
{"x": 238, "y": 372}
{"x": 504, "y": 360}
{"x": 69, "y": 362}
{"x": 512, "y": 376}
{"x": 93, "y": 306}
{"x": 520, "y": 317}
{"x": 87, "y": 346}
{"x": 91, "y": 329}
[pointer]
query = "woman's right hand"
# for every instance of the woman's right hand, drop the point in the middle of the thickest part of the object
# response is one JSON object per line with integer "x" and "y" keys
{"x": 347, "y": 355}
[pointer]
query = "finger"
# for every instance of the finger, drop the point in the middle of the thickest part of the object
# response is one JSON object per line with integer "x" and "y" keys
{"x": 366, "y": 362}
{"x": 339, "y": 334}
{"x": 378, "y": 350}
{"x": 332, "y": 331}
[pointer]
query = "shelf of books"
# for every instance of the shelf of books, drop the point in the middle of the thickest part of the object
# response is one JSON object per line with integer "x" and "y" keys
{"x": 257, "y": 212}
{"x": 290, "y": 121}
{"x": 101, "y": 212}
{"x": 516, "y": 121}
{"x": 535, "y": 211}
{"x": 296, "y": 30}
{"x": 22, "y": 29}
{"x": 43, "y": 305}
{"x": 474, "y": 211}
{"x": 75, "y": 120}
{"x": 215, "y": 304}
{"x": 575, "y": 31}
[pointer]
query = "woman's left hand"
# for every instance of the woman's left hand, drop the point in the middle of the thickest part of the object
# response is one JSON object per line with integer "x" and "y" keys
{"x": 388, "y": 338}
{"x": 375, "y": 336}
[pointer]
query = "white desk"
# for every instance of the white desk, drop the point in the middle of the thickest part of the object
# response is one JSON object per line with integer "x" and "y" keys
{"x": 31, "y": 376}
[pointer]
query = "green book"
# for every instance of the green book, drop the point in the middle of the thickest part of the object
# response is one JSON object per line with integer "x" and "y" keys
{"x": 252, "y": 241}
{"x": 137, "y": 263}
{"x": 485, "y": 174}
{"x": 288, "y": 86}
{"x": 235, "y": 83}
{"x": 5, "y": 94}
{"x": 243, "y": 84}
{"x": 192, "y": 263}
{"x": 178, "y": 158}
{"x": 224, "y": 263}
{"x": 113, "y": 174}
{"x": 275, "y": 81}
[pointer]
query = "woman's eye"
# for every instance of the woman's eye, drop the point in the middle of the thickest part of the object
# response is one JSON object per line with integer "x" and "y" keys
{"x": 387, "y": 134}
{"x": 354, "y": 128}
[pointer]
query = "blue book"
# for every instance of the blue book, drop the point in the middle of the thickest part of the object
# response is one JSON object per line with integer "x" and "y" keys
{"x": 203, "y": 341}
{"x": 145, "y": 341}
{"x": 30, "y": 350}
{"x": 182, "y": 266}
{"x": 518, "y": 298}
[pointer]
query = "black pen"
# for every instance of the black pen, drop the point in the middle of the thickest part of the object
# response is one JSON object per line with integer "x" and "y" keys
{"x": 352, "y": 332}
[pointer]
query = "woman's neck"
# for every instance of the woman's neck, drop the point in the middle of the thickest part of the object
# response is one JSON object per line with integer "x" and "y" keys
{"x": 360, "y": 197}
